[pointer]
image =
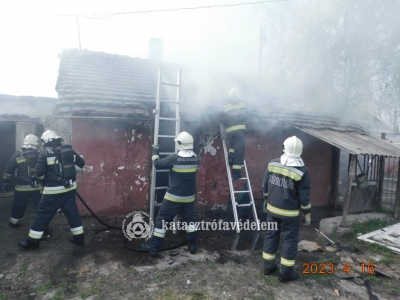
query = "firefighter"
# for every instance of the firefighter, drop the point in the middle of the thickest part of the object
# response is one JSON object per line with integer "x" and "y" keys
{"x": 286, "y": 187}
{"x": 26, "y": 185}
{"x": 235, "y": 128}
{"x": 56, "y": 167}
{"x": 179, "y": 197}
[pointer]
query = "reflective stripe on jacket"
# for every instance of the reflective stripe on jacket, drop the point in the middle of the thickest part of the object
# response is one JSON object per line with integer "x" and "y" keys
{"x": 288, "y": 190}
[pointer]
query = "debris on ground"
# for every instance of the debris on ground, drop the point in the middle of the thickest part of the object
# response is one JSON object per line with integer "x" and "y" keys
{"x": 309, "y": 246}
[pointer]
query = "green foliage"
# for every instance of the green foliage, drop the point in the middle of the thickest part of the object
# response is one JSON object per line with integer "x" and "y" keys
{"x": 44, "y": 288}
{"x": 372, "y": 278}
{"x": 4, "y": 295}
{"x": 368, "y": 226}
{"x": 198, "y": 295}
{"x": 391, "y": 287}
{"x": 271, "y": 280}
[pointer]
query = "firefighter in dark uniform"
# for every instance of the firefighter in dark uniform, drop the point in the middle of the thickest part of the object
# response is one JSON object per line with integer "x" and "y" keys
{"x": 179, "y": 197}
{"x": 235, "y": 128}
{"x": 286, "y": 186}
{"x": 26, "y": 185}
{"x": 56, "y": 167}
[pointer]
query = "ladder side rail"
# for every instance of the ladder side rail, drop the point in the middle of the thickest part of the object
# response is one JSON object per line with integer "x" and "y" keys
{"x": 155, "y": 142}
{"x": 251, "y": 197}
{"x": 177, "y": 127}
{"x": 230, "y": 181}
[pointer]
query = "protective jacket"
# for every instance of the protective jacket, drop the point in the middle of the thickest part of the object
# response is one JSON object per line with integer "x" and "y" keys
{"x": 182, "y": 175}
{"x": 49, "y": 168}
{"x": 287, "y": 189}
{"x": 18, "y": 161}
{"x": 235, "y": 109}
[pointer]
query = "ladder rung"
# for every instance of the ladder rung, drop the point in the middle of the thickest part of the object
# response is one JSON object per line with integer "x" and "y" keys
{"x": 170, "y": 84}
{"x": 168, "y": 119}
{"x": 166, "y": 153}
{"x": 241, "y": 191}
{"x": 168, "y": 101}
{"x": 247, "y": 204}
{"x": 165, "y": 170}
{"x": 161, "y": 188}
{"x": 167, "y": 136}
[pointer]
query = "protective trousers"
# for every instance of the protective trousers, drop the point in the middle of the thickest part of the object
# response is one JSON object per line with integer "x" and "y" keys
{"x": 20, "y": 203}
{"x": 47, "y": 208}
{"x": 168, "y": 211}
{"x": 237, "y": 145}
{"x": 290, "y": 235}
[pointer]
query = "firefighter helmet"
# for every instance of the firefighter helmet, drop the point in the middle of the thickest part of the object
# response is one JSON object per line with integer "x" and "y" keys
{"x": 293, "y": 146}
{"x": 31, "y": 141}
{"x": 49, "y": 136}
{"x": 234, "y": 93}
{"x": 184, "y": 141}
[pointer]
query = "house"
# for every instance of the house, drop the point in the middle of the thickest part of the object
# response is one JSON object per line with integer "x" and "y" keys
{"x": 109, "y": 101}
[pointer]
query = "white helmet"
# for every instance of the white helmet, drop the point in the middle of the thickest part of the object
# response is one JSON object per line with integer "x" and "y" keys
{"x": 184, "y": 141}
{"x": 49, "y": 136}
{"x": 31, "y": 141}
{"x": 234, "y": 92}
{"x": 293, "y": 146}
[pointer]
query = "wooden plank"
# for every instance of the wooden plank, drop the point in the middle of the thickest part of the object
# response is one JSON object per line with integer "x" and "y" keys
{"x": 397, "y": 200}
{"x": 348, "y": 190}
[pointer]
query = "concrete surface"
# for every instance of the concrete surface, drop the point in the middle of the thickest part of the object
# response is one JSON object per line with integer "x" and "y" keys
{"x": 330, "y": 225}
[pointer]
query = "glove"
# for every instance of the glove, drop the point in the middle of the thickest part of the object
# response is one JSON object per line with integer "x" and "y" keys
{"x": 307, "y": 222}
{"x": 265, "y": 202}
{"x": 155, "y": 150}
{"x": 7, "y": 188}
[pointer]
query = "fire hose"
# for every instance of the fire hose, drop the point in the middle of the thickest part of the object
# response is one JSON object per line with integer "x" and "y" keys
{"x": 108, "y": 226}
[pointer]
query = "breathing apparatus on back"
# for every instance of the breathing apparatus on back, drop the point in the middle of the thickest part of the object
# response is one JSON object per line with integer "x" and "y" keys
{"x": 64, "y": 163}
{"x": 31, "y": 154}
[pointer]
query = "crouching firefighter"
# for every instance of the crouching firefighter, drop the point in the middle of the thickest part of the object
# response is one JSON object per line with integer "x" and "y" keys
{"x": 286, "y": 186}
{"x": 179, "y": 197}
{"x": 235, "y": 129}
{"x": 26, "y": 184}
{"x": 56, "y": 167}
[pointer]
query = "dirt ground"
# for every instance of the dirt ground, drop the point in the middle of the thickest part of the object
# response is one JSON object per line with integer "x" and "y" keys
{"x": 106, "y": 269}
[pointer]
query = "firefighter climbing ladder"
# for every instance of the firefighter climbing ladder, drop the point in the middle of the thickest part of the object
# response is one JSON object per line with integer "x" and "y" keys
{"x": 235, "y": 205}
{"x": 156, "y": 111}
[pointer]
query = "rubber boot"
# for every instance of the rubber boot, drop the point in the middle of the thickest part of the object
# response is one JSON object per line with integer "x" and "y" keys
{"x": 237, "y": 174}
{"x": 77, "y": 240}
{"x": 192, "y": 247}
{"x": 29, "y": 245}
{"x": 153, "y": 250}
{"x": 269, "y": 267}
{"x": 230, "y": 158}
{"x": 12, "y": 225}
{"x": 286, "y": 278}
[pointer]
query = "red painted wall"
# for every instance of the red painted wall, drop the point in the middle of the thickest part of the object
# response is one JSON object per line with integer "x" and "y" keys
{"x": 117, "y": 171}
{"x": 116, "y": 174}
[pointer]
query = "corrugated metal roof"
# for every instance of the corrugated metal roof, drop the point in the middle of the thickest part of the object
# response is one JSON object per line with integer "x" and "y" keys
{"x": 353, "y": 141}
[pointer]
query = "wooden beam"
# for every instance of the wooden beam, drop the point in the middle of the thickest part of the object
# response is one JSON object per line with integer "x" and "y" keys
{"x": 334, "y": 195}
{"x": 348, "y": 190}
{"x": 397, "y": 200}
{"x": 380, "y": 180}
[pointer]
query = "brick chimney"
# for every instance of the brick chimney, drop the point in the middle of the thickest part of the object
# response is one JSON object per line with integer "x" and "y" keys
{"x": 156, "y": 49}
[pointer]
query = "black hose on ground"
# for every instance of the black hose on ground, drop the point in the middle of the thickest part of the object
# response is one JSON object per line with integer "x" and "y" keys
{"x": 120, "y": 228}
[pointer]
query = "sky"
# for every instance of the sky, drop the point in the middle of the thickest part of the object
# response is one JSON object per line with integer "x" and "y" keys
{"x": 33, "y": 33}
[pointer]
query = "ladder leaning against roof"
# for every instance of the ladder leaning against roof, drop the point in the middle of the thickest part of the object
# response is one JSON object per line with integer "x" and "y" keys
{"x": 235, "y": 205}
{"x": 157, "y": 112}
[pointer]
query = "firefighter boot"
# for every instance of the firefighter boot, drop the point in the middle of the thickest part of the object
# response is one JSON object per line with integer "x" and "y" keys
{"x": 12, "y": 225}
{"x": 29, "y": 245}
{"x": 269, "y": 267}
{"x": 192, "y": 247}
{"x": 78, "y": 240}
{"x": 237, "y": 174}
{"x": 291, "y": 277}
{"x": 153, "y": 250}
{"x": 230, "y": 157}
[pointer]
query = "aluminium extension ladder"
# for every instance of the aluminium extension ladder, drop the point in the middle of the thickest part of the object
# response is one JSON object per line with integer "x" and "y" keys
{"x": 235, "y": 205}
{"x": 156, "y": 111}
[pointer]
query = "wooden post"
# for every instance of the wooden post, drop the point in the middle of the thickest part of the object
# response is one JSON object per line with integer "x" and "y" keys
{"x": 335, "y": 175}
{"x": 381, "y": 175}
{"x": 397, "y": 200}
{"x": 348, "y": 190}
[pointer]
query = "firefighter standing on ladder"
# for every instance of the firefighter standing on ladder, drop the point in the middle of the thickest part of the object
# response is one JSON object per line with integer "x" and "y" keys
{"x": 56, "y": 166}
{"x": 26, "y": 184}
{"x": 235, "y": 108}
{"x": 286, "y": 186}
{"x": 179, "y": 197}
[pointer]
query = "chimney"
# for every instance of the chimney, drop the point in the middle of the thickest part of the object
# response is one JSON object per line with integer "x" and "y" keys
{"x": 156, "y": 49}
